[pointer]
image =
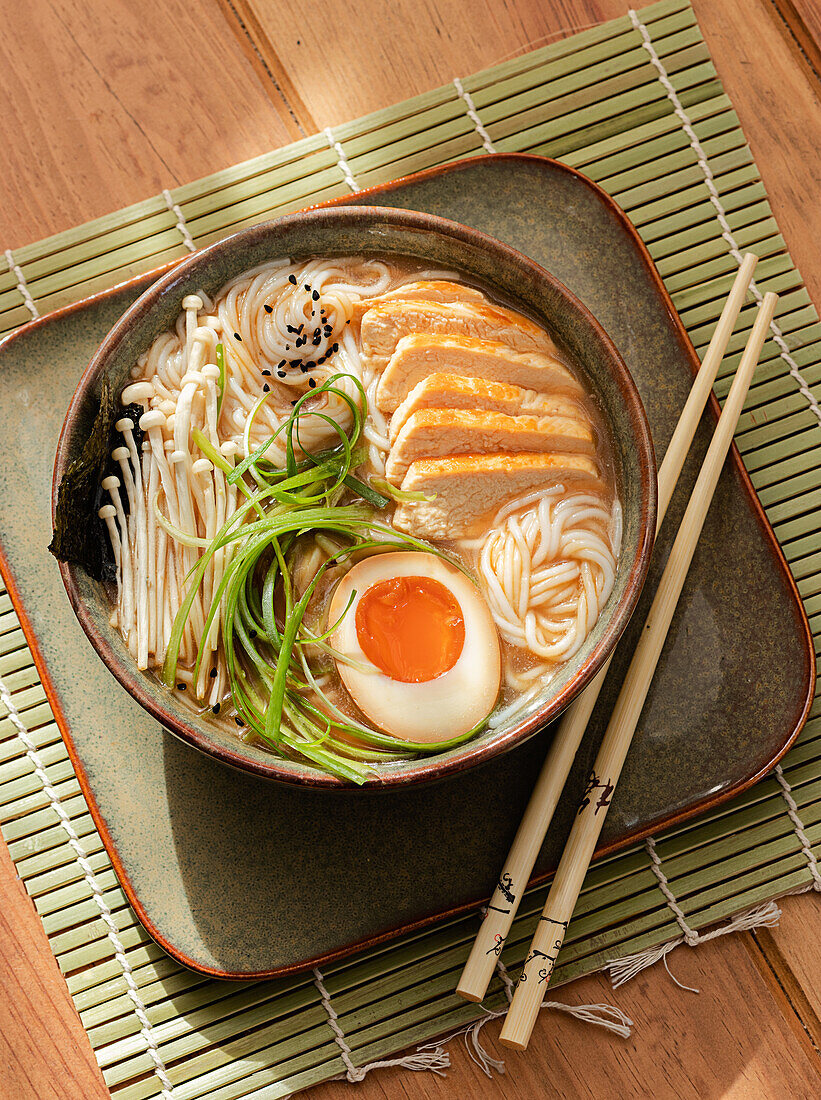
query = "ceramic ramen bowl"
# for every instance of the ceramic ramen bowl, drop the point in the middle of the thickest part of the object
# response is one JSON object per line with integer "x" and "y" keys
{"x": 504, "y": 273}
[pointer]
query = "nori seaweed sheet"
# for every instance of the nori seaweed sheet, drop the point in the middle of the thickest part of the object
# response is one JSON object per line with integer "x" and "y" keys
{"x": 79, "y": 533}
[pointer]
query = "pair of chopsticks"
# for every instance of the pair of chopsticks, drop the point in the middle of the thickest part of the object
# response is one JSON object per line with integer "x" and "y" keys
{"x": 584, "y": 835}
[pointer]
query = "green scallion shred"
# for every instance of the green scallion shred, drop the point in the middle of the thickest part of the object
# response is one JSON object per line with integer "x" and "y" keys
{"x": 275, "y": 686}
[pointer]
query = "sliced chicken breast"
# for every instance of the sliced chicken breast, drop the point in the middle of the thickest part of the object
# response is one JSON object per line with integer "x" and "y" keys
{"x": 470, "y": 489}
{"x": 433, "y": 433}
{"x": 452, "y": 391}
{"x": 432, "y": 290}
{"x": 384, "y": 325}
{"x": 420, "y": 355}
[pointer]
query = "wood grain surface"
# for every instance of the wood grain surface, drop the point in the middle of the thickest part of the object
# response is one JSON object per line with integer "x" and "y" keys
{"x": 109, "y": 101}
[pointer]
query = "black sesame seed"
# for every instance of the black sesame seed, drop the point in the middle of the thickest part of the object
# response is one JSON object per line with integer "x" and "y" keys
{"x": 296, "y": 362}
{"x": 308, "y": 287}
{"x": 317, "y": 340}
{"x": 282, "y": 363}
{"x": 312, "y": 382}
{"x": 238, "y": 337}
{"x": 301, "y": 327}
{"x": 287, "y": 347}
{"x": 266, "y": 388}
{"x": 180, "y": 687}
{"x": 215, "y": 709}
{"x": 280, "y": 374}
{"x": 290, "y": 328}
{"x": 213, "y": 673}
{"x": 238, "y": 721}
{"x": 311, "y": 363}
{"x": 294, "y": 401}
{"x": 267, "y": 308}
{"x": 292, "y": 280}
{"x": 266, "y": 373}
{"x": 315, "y": 295}
{"x": 252, "y": 633}
{"x": 335, "y": 347}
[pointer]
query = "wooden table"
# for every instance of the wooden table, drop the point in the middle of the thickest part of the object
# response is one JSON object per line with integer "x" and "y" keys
{"x": 109, "y": 101}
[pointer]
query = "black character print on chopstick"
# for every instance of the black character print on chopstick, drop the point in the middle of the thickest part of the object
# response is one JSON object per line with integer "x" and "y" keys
{"x": 544, "y": 972}
{"x": 505, "y": 887}
{"x": 595, "y": 784}
{"x": 496, "y": 949}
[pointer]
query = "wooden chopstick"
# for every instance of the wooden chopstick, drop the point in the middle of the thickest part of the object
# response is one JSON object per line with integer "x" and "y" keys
{"x": 516, "y": 872}
{"x": 564, "y": 893}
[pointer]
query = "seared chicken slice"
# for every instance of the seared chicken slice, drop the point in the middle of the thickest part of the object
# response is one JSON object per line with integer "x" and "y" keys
{"x": 433, "y": 433}
{"x": 419, "y": 355}
{"x": 470, "y": 489}
{"x": 432, "y": 290}
{"x": 452, "y": 391}
{"x": 384, "y": 325}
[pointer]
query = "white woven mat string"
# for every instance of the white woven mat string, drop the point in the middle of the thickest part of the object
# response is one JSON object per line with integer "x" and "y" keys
{"x": 146, "y": 1029}
{"x": 341, "y": 159}
{"x": 798, "y": 827}
{"x": 22, "y": 285}
{"x": 182, "y": 225}
{"x": 473, "y": 114}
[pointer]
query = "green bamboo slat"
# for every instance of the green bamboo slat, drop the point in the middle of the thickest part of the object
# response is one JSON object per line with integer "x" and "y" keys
{"x": 714, "y": 122}
{"x": 54, "y": 906}
{"x": 201, "y": 1027}
{"x": 163, "y": 992}
{"x": 640, "y": 182}
{"x": 772, "y": 378}
{"x": 23, "y": 828}
{"x": 759, "y": 457}
{"x": 607, "y": 155}
{"x": 692, "y": 235}
{"x": 104, "y": 987}
{"x": 135, "y": 936}
{"x": 34, "y": 853}
{"x": 505, "y": 81}
{"x": 556, "y": 136}
{"x": 69, "y": 918}
{"x": 562, "y": 93}
{"x": 22, "y": 766}
{"x": 29, "y": 803}
{"x": 43, "y": 735}
{"x": 27, "y": 784}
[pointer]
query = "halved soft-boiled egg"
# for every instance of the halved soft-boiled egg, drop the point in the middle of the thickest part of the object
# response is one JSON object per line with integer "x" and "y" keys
{"x": 425, "y": 649}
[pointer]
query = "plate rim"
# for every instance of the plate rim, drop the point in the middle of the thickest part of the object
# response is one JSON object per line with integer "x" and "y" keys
{"x": 664, "y": 822}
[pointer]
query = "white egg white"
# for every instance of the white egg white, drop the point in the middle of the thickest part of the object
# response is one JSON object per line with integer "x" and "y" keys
{"x": 434, "y": 710}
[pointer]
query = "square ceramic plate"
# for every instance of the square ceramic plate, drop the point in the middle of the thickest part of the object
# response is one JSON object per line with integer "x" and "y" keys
{"x": 238, "y": 877}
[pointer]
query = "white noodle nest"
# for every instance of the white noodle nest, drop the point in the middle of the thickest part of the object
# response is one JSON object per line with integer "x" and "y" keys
{"x": 548, "y": 563}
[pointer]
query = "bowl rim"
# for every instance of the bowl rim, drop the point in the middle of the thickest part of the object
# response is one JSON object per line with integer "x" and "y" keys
{"x": 424, "y": 768}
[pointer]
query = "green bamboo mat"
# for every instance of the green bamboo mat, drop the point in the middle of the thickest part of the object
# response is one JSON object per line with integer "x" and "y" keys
{"x": 635, "y": 104}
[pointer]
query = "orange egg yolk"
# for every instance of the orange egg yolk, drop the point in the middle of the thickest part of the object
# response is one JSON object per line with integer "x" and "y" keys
{"x": 411, "y": 628}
